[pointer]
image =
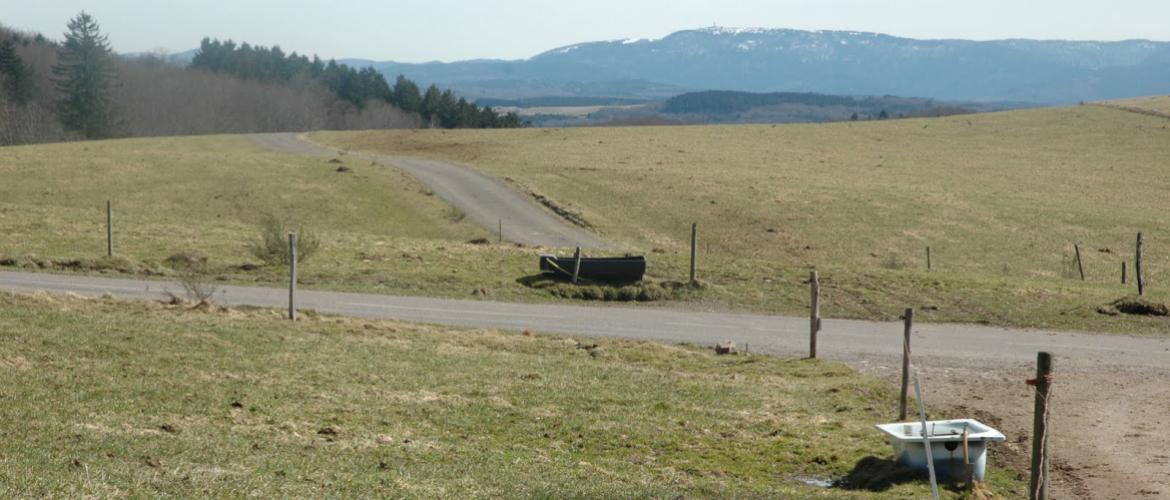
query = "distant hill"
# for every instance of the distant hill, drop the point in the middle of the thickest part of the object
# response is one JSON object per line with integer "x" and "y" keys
{"x": 831, "y": 62}
{"x": 564, "y": 101}
{"x": 178, "y": 58}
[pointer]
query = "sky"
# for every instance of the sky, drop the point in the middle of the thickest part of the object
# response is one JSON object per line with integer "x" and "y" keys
{"x": 448, "y": 30}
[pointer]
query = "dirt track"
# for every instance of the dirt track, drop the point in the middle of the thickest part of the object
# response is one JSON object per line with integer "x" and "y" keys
{"x": 484, "y": 199}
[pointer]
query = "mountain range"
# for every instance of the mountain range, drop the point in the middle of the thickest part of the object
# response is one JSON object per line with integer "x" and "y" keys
{"x": 832, "y": 62}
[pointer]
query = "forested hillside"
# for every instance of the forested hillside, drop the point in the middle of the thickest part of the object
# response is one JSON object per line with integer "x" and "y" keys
{"x": 357, "y": 87}
{"x": 77, "y": 88}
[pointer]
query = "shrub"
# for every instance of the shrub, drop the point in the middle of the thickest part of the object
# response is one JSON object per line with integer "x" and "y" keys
{"x": 272, "y": 246}
{"x": 196, "y": 282}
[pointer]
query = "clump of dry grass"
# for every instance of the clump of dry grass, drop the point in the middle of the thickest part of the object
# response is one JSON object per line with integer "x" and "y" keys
{"x": 642, "y": 291}
{"x": 272, "y": 245}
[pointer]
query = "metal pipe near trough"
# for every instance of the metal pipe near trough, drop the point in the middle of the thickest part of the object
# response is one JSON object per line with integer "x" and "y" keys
{"x": 925, "y": 436}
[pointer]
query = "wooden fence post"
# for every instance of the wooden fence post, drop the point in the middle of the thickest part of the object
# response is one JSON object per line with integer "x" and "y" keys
{"x": 1080, "y": 267}
{"x": 814, "y": 313}
{"x": 909, "y": 322}
{"x": 694, "y": 252}
{"x": 1038, "y": 487}
{"x": 1123, "y": 272}
{"x": 576, "y": 264}
{"x": 928, "y": 264}
{"x": 501, "y": 233}
{"x": 1137, "y": 267}
{"x": 292, "y": 276}
{"x": 109, "y": 229}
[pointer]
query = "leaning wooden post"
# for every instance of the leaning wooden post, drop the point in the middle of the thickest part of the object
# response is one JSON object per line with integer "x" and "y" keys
{"x": 109, "y": 229}
{"x": 1123, "y": 272}
{"x": 1080, "y": 267}
{"x": 292, "y": 276}
{"x": 1038, "y": 489}
{"x": 1137, "y": 267}
{"x": 694, "y": 252}
{"x": 909, "y": 321}
{"x": 576, "y": 264}
{"x": 814, "y": 314}
{"x": 928, "y": 266}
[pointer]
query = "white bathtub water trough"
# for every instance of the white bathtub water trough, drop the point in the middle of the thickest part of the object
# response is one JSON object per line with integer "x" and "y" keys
{"x": 946, "y": 445}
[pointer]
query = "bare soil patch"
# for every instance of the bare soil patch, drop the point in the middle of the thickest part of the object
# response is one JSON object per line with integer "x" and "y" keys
{"x": 1107, "y": 421}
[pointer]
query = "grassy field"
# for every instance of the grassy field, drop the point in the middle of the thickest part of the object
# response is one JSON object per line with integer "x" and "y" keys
{"x": 104, "y": 398}
{"x": 1158, "y": 105}
{"x": 1000, "y": 198}
{"x": 381, "y": 230}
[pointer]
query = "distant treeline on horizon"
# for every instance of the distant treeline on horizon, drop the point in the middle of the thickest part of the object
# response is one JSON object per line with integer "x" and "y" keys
{"x": 270, "y": 65}
{"x": 52, "y": 91}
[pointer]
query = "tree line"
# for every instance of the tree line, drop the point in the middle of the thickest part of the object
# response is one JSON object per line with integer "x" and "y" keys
{"x": 725, "y": 101}
{"x": 358, "y": 87}
{"x": 718, "y": 105}
{"x": 78, "y": 88}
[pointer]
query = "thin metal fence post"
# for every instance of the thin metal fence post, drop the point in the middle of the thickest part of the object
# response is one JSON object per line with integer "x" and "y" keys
{"x": 292, "y": 276}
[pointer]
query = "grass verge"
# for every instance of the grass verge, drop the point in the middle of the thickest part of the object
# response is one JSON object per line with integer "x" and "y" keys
{"x": 108, "y": 398}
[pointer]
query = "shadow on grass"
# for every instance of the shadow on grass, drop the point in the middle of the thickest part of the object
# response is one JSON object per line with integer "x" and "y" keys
{"x": 879, "y": 474}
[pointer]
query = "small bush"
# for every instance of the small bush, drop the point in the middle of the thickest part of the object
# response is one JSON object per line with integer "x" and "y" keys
{"x": 195, "y": 280}
{"x": 272, "y": 246}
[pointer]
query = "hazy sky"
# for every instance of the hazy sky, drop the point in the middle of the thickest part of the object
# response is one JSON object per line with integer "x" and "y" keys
{"x": 424, "y": 30}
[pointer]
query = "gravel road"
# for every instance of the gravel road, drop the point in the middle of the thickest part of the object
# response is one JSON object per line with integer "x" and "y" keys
{"x": 485, "y": 199}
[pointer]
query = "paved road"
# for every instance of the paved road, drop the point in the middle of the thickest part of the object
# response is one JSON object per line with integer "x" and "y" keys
{"x": 945, "y": 344}
{"x": 485, "y": 200}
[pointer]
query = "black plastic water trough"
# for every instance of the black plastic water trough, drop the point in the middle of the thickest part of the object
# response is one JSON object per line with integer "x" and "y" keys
{"x": 606, "y": 269}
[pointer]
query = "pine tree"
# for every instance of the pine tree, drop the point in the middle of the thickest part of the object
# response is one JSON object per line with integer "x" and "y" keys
{"x": 16, "y": 75}
{"x": 83, "y": 76}
{"x": 431, "y": 104}
{"x": 406, "y": 95}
